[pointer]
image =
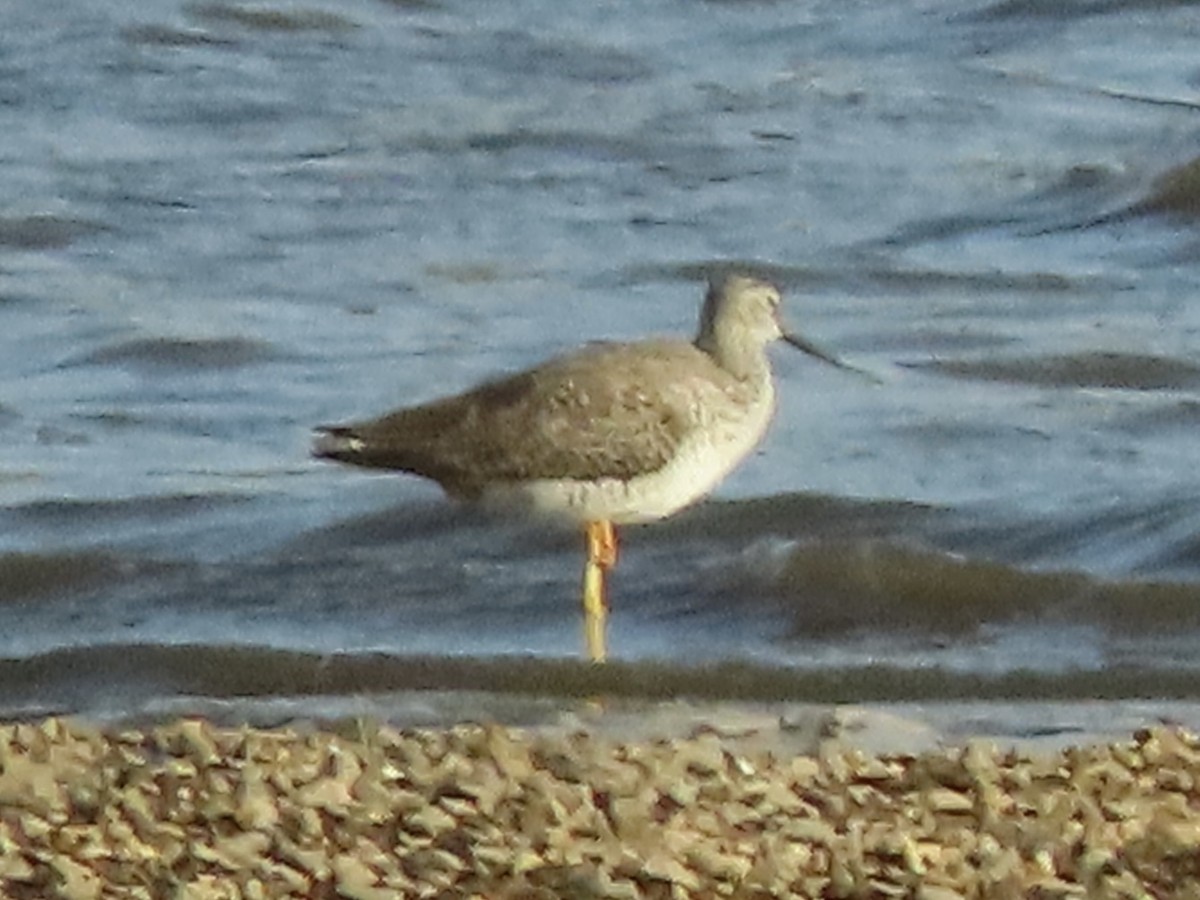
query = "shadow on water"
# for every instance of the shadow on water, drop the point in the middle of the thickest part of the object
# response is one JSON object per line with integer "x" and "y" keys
{"x": 1174, "y": 195}
{"x": 1070, "y": 204}
{"x": 1124, "y": 371}
{"x": 175, "y": 353}
{"x": 45, "y": 232}
{"x": 27, "y": 576}
{"x": 838, "y": 586}
{"x": 269, "y": 20}
{"x": 135, "y": 675}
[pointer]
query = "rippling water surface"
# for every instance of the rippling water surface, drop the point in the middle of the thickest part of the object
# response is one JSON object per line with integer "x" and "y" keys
{"x": 224, "y": 223}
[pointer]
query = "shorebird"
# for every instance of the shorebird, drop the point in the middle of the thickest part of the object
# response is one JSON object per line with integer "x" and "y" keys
{"x": 612, "y": 434}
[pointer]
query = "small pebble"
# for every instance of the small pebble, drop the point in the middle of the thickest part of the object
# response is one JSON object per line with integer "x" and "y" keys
{"x": 201, "y": 811}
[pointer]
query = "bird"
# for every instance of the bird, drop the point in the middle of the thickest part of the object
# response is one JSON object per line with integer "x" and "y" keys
{"x": 614, "y": 433}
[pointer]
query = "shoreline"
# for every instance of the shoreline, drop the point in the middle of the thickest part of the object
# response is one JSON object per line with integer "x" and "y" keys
{"x": 191, "y": 809}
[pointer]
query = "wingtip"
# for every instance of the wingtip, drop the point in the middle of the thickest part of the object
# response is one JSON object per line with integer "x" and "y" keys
{"x": 330, "y": 442}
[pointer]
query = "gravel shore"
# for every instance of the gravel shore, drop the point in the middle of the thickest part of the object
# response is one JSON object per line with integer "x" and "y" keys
{"x": 192, "y": 810}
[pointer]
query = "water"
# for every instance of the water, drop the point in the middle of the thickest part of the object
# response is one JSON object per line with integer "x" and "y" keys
{"x": 223, "y": 224}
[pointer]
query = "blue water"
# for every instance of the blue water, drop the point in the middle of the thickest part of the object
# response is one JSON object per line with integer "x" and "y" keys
{"x": 222, "y": 224}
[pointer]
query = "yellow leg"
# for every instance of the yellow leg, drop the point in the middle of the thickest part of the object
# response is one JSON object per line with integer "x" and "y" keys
{"x": 601, "y": 556}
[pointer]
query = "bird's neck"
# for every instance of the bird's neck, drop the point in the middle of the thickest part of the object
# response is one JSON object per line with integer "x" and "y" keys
{"x": 743, "y": 359}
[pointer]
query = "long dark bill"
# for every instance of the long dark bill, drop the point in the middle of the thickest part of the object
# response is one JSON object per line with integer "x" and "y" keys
{"x": 816, "y": 352}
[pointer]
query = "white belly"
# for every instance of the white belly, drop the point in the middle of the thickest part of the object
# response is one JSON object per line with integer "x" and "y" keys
{"x": 708, "y": 454}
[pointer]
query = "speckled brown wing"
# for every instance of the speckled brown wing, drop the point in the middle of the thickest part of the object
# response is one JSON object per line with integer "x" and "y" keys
{"x": 607, "y": 411}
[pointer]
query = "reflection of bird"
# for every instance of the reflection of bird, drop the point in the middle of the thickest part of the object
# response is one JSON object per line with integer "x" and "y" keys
{"x": 610, "y": 434}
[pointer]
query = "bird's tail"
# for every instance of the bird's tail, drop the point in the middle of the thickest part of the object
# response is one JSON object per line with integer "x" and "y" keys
{"x": 332, "y": 442}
